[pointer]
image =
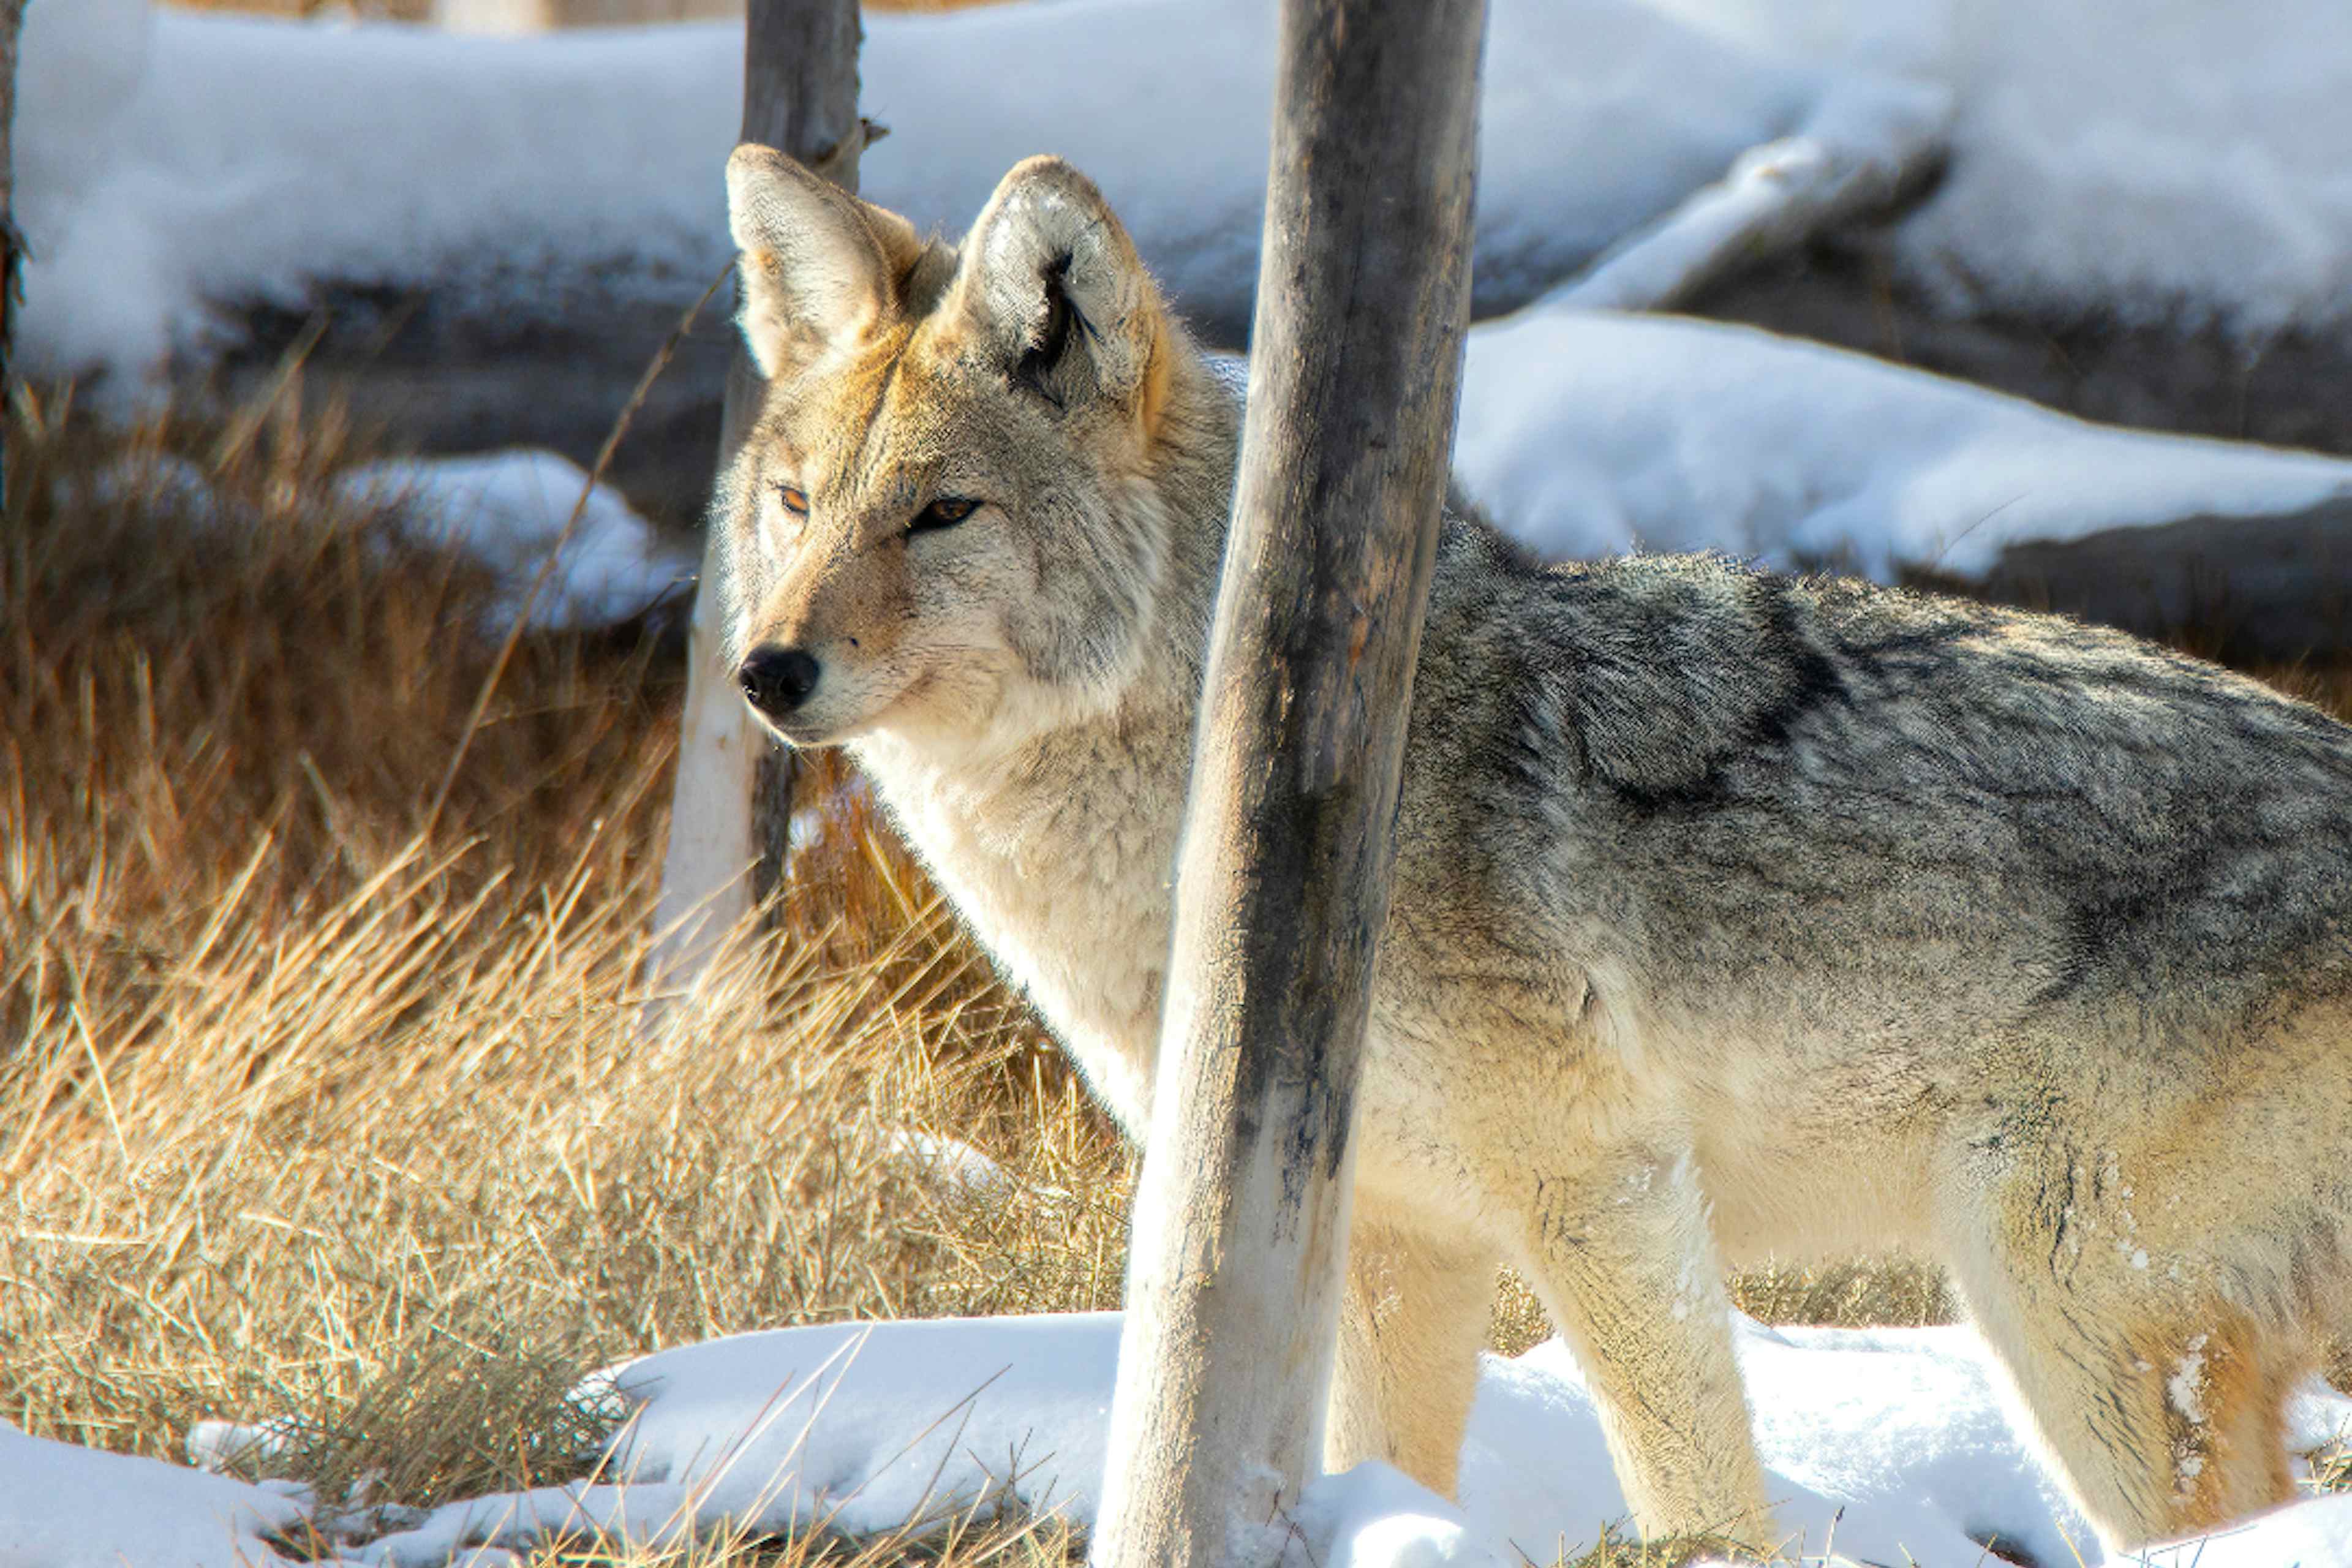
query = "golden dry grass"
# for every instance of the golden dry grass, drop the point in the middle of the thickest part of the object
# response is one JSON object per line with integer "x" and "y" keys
{"x": 314, "y": 1107}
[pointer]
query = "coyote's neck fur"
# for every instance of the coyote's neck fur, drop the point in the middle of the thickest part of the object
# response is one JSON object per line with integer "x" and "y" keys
{"x": 1058, "y": 846}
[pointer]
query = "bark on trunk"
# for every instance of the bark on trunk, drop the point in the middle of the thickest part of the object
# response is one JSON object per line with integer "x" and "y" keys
{"x": 730, "y": 816}
{"x": 1282, "y": 888}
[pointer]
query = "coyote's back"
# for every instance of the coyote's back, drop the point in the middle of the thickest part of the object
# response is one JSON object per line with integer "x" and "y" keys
{"x": 1733, "y": 913}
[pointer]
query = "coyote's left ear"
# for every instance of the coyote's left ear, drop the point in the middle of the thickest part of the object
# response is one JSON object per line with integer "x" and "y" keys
{"x": 1049, "y": 277}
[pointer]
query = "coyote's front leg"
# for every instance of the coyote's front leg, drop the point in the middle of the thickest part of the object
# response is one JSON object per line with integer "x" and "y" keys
{"x": 1414, "y": 1316}
{"x": 1620, "y": 1251}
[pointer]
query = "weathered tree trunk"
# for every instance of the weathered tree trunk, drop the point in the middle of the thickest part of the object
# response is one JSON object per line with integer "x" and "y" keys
{"x": 1282, "y": 888}
{"x": 730, "y": 816}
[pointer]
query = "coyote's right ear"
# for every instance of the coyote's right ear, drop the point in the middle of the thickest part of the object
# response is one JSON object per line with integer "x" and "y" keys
{"x": 820, "y": 269}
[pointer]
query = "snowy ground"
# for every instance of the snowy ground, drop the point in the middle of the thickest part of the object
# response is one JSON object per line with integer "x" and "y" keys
{"x": 161, "y": 169}
{"x": 2178, "y": 162}
{"x": 511, "y": 513}
{"x": 1882, "y": 1447}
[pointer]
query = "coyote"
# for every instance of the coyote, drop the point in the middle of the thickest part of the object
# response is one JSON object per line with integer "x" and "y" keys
{"x": 1735, "y": 914}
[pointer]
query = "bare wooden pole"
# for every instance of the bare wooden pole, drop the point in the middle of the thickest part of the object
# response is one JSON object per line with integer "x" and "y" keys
{"x": 1282, "y": 888}
{"x": 730, "y": 813}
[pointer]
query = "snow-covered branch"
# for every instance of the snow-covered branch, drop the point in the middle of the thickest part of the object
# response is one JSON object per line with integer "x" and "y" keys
{"x": 1871, "y": 142}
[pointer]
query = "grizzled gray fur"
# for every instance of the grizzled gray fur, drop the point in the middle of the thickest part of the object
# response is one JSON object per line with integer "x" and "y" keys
{"x": 1735, "y": 916}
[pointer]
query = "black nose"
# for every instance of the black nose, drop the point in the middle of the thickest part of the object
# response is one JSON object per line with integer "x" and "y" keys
{"x": 778, "y": 679}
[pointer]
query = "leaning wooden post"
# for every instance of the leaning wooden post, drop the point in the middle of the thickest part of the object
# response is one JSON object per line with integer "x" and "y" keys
{"x": 733, "y": 806}
{"x": 1240, "y": 1238}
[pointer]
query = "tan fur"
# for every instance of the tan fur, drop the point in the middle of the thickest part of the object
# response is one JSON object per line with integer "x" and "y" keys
{"x": 1735, "y": 916}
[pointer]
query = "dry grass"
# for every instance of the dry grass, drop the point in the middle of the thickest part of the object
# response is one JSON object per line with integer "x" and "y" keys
{"x": 311, "y": 1108}
{"x": 2331, "y": 1467}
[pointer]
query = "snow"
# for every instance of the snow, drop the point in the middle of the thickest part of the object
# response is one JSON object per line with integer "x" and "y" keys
{"x": 1877, "y": 1443}
{"x": 404, "y": 158}
{"x": 858, "y": 1426}
{"x": 2175, "y": 160}
{"x": 505, "y": 172}
{"x": 950, "y": 1165}
{"x": 1868, "y": 138}
{"x": 1375, "y": 1516}
{"x": 509, "y": 510}
{"x": 2167, "y": 160}
{"x": 2315, "y": 1535}
{"x": 161, "y": 169}
{"x": 1589, "y": 433}
{"x": 1883, "y": 1445}
{"x": 225, "y": 1446}
{"x": 158, "y": 480}
{"x": 64, "y": 1507}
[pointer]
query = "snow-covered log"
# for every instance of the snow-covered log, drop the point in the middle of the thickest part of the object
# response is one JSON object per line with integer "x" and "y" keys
{"x": 169, "y": 178}
{"x": 1587, "y": 434}
{"x": 1869, "y": 143}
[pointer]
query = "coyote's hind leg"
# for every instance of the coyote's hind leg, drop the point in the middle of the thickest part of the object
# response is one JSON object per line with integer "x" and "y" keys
{"x": 1416, "y": 1315}
{"x": 2161, "y": 1401}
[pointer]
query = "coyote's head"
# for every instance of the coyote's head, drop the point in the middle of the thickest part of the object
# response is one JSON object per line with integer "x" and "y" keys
{"x": 943, "y": 518}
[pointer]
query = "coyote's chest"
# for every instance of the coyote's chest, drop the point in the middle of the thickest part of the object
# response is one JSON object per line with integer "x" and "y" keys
{"x": 1061, "y": 867}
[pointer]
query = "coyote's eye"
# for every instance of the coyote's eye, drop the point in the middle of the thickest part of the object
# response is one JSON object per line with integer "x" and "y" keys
{"x": 795, "y": 501}
{"x": 944, "y": 512}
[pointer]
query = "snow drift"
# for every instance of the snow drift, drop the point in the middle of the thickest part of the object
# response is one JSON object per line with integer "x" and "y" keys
{"x": 1885, "y": 1446}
